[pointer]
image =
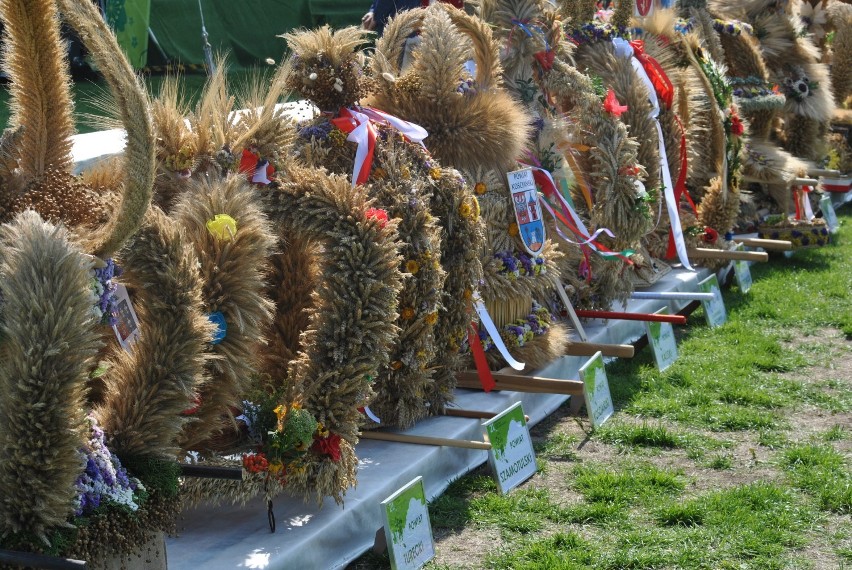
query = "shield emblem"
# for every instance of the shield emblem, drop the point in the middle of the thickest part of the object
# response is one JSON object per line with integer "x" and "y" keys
{"x": 643, "y": 7}
{"x": 525, "y": 203}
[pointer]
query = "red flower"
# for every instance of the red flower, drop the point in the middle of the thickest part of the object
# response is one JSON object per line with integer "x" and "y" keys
{"x": 380, "y": 215}
{"x": 255, "y": 463}
{"x": 737, "y": 128}
{"x": 611, "y": 104}
{"x": 328, "y": 446}
{"x": 710, "y": 235}
{"x": 545, "y": 59}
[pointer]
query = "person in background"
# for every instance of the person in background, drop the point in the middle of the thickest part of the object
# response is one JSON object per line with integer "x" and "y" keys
{"x": 381, "y": 10}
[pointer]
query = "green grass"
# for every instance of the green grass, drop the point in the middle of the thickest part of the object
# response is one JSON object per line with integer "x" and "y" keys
{"x": 637, "y": 484}
{"x": 822, "y": 472}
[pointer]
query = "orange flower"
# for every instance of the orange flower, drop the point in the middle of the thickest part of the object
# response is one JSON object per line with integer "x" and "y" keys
{"x": 396, "y": 365}
{"x": 480, "y": 188}
{"x": 431, "y": 318}
{"x": 411, "y": 266}
{"x": 407, "y": 314}
{"x": 513, "y": 229}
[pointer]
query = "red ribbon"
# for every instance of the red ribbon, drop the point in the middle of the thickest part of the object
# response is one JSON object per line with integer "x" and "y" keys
{"x": 662, "y": 84}
{"x": 545, "y": 59}
{"x": 550, "y": 191}
{"x": 680, "y": 187}
{"x": 347, "y": 123}
{"x": 482, "y": 369}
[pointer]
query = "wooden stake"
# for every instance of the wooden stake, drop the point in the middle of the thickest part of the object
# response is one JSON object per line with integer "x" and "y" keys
{"x": 424, "y": 440}
{"x": 704, "y": 253}
{"x": 648, "y": 317}
{"x": 210, "y": 472}
{"x": 521, "y": 383}
{"x": 774, "y": 244}
{"x": 590, "y": 348}
{"x": 474, "y": 414}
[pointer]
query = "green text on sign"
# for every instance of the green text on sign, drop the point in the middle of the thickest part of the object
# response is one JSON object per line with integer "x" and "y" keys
{"x": 598, "y": 398}
{"x": 714, "y": 310}
{"x": 511, "y": 456}
{"x": 408, "y": 530}
{"x": 662, "y": 340}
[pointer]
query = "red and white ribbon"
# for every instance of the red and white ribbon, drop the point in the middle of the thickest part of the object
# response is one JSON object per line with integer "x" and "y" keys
{"x": 623, "y": 48}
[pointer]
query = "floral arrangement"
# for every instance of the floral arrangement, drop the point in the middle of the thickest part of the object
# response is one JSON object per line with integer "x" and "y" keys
{"x": 104, "y": 292}
{"x": 596, "y": 31}
{"x": 732, "y": 27}
{"x": 521, "y": 331}
{"x": 105, "y": 482}
{"x": 518, "y": 264}
{"x": 285, "y": 436}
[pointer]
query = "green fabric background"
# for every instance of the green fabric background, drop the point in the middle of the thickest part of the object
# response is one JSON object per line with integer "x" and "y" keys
{"x": 246, "y": 29}
{"x": 129, "y": 20}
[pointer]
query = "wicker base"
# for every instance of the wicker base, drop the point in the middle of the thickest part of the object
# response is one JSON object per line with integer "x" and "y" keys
{"x": 801, "y": 234}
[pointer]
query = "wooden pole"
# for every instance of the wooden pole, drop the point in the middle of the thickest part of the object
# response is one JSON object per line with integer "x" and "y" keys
{"x": 774, "y": 244}
{"x": 590, "y": 348}
{"x": 797, "y": 182}
{"x": 424, "y": 440}
{"x": 30, "y": 560}
{"x": 473, "y": 414}
{"x": 704, "y": 253}
{"x": 521, "y": 383}
{"x": 648, "y": 317}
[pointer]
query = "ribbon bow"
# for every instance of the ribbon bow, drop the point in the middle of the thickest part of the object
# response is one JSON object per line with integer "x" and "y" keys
{"x": 359, "y": 123}
{"x": 662, "y": 84}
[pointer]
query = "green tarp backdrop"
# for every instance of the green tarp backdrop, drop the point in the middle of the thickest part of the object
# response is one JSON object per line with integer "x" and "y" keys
{"x": 245, "y": 29}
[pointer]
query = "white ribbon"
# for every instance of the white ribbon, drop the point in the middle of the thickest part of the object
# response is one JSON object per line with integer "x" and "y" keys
{"x": 561, "y": 234}
{"x": 369, "y": 413}
{"x": 625, "y": 50}
{"x": 360, "y": 135}
{"x": 491, "y": 328}
{"x": 412, "y": 131}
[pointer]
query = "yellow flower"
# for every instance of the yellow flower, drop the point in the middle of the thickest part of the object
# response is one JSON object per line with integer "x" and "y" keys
{"x": 468, "y": 294}
{"x": 435, "y": 173}
{"x": 431, "y": 318}
{"x": 297, "y": 468}
{"x": 379, "y": 173}
{"x": 407, "y": 314}
{"x": 476, "y": 210}
{"x": 412, "y": 266}
{"x": 337, "y": 137}
{"x": 223, "y": 227}
{"x": 465, "y": 209}
{"x": 480, "y": 188}
{"x": 280, "y": 412}
{"x": 405, "y": 172}
{"x": 513, "y": 229}
{"x": 276, "y": 467}
{"x": 321, "y": 431}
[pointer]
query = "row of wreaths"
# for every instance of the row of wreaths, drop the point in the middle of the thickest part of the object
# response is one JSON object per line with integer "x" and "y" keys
{"x": 294, "y": 283}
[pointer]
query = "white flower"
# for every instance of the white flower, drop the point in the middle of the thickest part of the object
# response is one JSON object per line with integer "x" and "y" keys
{"x": 814, "y": 18}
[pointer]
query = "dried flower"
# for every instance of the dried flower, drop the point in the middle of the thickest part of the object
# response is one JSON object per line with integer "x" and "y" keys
{"x": 431, "y": 318}
{"x": 435, "y": 173}
{"x": 411, "y": 266}
{"x": 407, "y": 314}
{"x": 480, "y": 188}
{"x": 513, "y": 229}
{"x": 380, "y": 173}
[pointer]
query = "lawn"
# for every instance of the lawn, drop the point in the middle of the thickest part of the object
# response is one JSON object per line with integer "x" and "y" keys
{"x": 738, "y": 456}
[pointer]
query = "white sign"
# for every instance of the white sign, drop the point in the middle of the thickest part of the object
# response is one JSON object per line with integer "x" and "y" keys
{"x": 126, "y": 326}
{"x": 662, "y": 340}
{"x": 828, "y": 213}
{"x": 527, "y": 210}
{"x": 598, "y": 398}
{"x": 714, "y": 310}
{"x": 408, "y": 530}
{"x": 742, "y": 273}
{"x": 511, "y": 456}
